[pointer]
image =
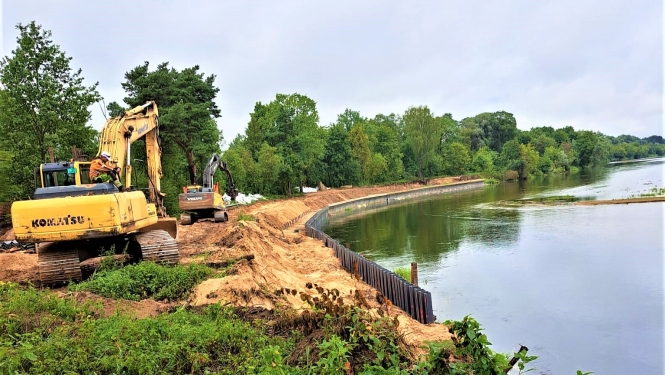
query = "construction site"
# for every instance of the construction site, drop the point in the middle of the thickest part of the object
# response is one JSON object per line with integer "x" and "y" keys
{"x": 76, "y": 221}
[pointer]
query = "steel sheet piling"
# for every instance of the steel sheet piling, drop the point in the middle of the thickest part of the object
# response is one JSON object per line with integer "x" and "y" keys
{"x": 413, "y": 300}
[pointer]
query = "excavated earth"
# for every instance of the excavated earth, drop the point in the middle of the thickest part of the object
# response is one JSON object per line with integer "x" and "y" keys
{"x": 266, "y": 255}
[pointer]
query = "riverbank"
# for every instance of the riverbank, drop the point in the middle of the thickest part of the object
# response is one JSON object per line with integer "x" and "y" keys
{"x": 266, "y": 243}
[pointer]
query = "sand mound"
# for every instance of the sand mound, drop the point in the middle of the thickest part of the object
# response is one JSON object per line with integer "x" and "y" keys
{"x": 18, "y": 267}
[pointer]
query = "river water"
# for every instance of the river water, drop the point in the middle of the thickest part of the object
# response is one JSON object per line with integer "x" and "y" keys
{"x": 581, "y": 286}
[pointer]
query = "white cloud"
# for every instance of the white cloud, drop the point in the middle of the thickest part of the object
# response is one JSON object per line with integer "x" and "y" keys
{"x": 590, "y": 64}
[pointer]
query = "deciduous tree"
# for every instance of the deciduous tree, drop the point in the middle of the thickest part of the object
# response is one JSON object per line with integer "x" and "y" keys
{"x": 422, "y": 132}
{"x": 45, "y": 104}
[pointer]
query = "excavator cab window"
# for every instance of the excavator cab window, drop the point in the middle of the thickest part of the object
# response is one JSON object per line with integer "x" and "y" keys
{"x": 58, "y": 178}
{"x": 84, "y": 170}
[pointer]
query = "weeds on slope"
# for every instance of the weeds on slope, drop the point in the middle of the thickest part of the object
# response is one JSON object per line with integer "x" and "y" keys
{"x": 146, "y": 280}
{"x": 41, "y": 332}
{"x": 75, "y": 340}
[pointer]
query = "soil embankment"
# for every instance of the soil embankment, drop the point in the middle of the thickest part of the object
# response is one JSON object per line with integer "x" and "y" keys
{"x": 269, "y": 253}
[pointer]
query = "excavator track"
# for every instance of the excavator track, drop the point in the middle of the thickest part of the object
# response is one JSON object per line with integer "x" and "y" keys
{"x": 221, "y": 216}
{"x": 186, "y": 218}
{"x": 58, "y": 264}
{"x": 159, "y": 247}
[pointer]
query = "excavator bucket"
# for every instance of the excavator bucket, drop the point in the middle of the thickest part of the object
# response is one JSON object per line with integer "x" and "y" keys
{"x": 168, "y": 224}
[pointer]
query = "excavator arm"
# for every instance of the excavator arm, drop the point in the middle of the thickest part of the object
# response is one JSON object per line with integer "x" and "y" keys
{"x": 117, "y": 137}
{"x": 215, "y": 163}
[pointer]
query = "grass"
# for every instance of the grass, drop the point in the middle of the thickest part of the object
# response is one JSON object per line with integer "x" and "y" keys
{"x": 653, "y": 192}
{"x": 245, "y": 217}
{"x": 146, "y": 280}
{"x": 41, "y": 333}
{"x": 404, "y": 273}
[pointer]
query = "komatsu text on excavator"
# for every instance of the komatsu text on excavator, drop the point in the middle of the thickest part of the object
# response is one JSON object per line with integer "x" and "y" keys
{"x": 204, "y": 201}
{"x": 72, "y": 219}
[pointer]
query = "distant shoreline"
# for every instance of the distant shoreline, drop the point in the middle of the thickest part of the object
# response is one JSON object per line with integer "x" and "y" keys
{"x": 635, "y": 160}
{"x": 621, "y": 201}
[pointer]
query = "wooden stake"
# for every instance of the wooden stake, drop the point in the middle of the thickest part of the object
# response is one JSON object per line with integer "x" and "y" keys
{"x": 414, "y": 273}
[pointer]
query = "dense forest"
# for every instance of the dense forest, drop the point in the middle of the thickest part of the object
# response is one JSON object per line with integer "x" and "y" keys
{"x": 44, "y": 104}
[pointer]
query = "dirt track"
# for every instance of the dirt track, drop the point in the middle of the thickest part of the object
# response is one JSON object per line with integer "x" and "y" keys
{"x": 280, "y": 258}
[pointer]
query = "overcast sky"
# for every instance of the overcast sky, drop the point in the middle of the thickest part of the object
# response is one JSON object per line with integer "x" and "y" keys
{"x": 592, "y": 64}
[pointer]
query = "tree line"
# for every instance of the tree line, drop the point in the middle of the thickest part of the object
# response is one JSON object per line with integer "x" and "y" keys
{"x": 44, "y": 104}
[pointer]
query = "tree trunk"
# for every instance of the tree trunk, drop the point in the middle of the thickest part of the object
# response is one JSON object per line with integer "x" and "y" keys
{"x": 191, "y": 164}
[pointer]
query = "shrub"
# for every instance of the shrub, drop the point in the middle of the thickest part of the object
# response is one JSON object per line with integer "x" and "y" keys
{"x": 404, "y": 273}
{"x": 146, "y": 280}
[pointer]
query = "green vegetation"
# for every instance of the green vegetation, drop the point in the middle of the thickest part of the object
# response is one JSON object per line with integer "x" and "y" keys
{"x": 245, "y": 217}
{"x": 653, "y": 192}
{"x": 472, "y": 346}
{"x": 41, "y": 332}
{"x": 43, "y": 103}
{"x": 404, "y": 273}
{"x": 146, "y": 280}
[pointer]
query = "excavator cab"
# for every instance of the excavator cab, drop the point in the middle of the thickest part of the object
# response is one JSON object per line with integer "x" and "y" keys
{"x": 67, "y": 179}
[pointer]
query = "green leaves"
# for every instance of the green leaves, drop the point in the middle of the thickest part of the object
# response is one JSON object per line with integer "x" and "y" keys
{"x": 422, "y": 132}
{"x": 44, "y": 104}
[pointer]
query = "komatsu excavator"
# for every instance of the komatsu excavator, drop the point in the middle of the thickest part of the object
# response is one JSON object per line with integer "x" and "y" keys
{"x": 205, "y": 201}
{"x": 71, "y": 219}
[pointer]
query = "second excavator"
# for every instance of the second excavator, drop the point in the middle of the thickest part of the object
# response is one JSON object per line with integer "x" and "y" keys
{"x": 70, "y": 219}
{"x": 205, "y": 201}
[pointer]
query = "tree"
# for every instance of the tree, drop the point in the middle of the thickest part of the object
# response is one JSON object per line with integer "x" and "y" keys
{"x": 530, "y": 160}
{"x": 483, "y": 160}
{"x": 601, "y": 151}
{"x": 45, "y": 104}
{"x": 584, "y": 145}
{"x": 541, "y": 142}
{"x": 114, "y": 109}
{"x": 456, "y": 159}
{"x": 341, "y": 168}
{"x": 360, "y": 149}
{"x": 510, "y": 156}
{"x": 490, "y": 129}
{"x": 186, "y": 105}
{"x": 388, "y": 146}
{"x": 450, "y": 129}
{"x": 422, "y": 133}
{"x": 290, "y": 124}
{"x": 268, "y": 165}
{"x": 350, "y": 118}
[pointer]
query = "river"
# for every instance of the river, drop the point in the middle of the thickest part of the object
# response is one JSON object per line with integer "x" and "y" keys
{"x": 581, "y": 286}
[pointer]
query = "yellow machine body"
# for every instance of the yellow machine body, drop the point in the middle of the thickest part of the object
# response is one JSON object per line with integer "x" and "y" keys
{"x": 83, "y": 217}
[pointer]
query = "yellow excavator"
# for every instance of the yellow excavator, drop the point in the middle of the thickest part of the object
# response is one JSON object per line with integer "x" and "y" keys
{"x": 204, "y": 201}
{"x": 72, "y": 219}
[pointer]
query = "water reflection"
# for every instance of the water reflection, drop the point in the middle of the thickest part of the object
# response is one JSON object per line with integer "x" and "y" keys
{"x": 425, "y": 229}
{"x": 581, "y": 286}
